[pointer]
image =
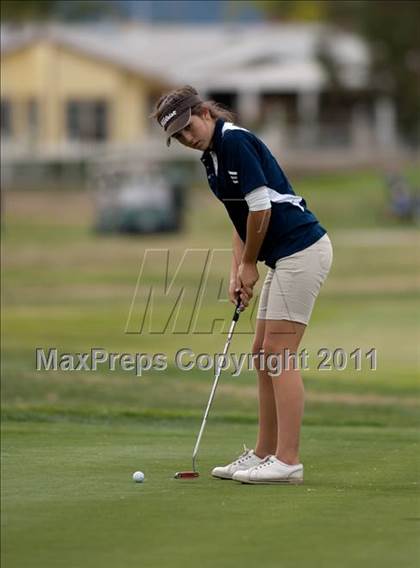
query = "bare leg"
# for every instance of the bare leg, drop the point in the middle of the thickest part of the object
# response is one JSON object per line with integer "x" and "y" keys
{"x": 287, "y": 387}
{"x": 267, "y": 418}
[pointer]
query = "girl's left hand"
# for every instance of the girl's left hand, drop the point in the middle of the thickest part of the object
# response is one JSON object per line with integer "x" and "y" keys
{"x": 247, "y": 277}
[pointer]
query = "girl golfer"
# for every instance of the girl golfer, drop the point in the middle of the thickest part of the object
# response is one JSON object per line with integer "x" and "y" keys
{"x": 272, "y": 225}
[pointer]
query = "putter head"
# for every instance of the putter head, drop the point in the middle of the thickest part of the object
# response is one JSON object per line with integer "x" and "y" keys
{"x": 186, "y": 474}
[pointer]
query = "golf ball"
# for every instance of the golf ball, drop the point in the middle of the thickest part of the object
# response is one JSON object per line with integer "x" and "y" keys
{"x": 138, "y": 476}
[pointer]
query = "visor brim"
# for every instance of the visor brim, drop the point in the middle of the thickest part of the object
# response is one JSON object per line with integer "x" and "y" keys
{"x": 178, "y": 124}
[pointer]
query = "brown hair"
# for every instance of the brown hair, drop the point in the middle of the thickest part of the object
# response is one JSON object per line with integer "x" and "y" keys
{"x": 216, "y": 110}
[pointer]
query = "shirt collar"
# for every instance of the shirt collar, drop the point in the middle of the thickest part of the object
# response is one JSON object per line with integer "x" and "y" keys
{"x": 216, "y": 141}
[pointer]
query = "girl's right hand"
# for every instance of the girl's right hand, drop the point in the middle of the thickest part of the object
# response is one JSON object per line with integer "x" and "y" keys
{"x": 235, "y": 293}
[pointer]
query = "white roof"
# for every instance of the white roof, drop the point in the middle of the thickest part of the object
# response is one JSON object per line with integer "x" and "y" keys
{"x": 240, "y": 57}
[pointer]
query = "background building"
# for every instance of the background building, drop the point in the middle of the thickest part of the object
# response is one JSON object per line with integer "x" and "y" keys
{"x": 71, "y": 91}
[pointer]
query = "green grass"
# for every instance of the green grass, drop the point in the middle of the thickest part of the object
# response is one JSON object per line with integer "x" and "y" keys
{"x": 70, "y": 501}
{"x": 71, "y": 440}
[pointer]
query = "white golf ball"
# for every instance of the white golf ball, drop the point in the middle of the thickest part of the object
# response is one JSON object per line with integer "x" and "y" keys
{"x": 138, "y": 476}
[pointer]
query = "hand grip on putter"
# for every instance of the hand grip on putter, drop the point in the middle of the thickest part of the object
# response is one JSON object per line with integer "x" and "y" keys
{"x": 216, "y": 379}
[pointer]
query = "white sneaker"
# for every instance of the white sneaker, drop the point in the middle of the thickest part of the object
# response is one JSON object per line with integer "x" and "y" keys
{"x": 271, "y": 471}
{"x": 246, "y": 460}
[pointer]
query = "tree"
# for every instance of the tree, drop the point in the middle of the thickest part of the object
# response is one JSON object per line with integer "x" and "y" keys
{"x": 390, "y": 29}
{"x": 27, "y": 10}
{"x": 19, "y": 11}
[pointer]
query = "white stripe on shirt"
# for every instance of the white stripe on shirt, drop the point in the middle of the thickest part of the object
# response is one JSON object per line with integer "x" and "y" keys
{"x": 262, "y": 197}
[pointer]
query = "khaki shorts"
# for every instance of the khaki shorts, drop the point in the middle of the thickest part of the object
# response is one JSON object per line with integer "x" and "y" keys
{"x": 289, "y": 292}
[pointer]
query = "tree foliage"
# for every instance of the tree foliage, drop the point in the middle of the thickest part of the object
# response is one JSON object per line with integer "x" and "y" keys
{"x": 19, "y": 11}
{"x": 390, "y": 29}
{"x": 27, "y": 10}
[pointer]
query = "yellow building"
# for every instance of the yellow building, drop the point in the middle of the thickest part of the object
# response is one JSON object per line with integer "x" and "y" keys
{"x": 54, "y": 93}
{"x": 68, "y": 92}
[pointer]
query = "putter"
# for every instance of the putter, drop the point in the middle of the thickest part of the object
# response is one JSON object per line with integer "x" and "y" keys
{"x": 194, "y": 473}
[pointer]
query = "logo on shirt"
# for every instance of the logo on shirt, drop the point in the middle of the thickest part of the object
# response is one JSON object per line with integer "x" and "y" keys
{"x": 233, "y": 176}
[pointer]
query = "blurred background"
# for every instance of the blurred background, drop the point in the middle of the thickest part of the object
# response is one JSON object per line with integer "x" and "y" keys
{"x": 89, "y": 186}
{"x": 89, "y": 189}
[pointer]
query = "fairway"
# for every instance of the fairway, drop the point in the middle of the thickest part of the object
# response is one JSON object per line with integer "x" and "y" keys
{"x": 71, "y": 440}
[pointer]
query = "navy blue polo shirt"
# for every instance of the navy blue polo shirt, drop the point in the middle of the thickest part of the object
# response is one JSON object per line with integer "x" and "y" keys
{"x": 239, "y": 162}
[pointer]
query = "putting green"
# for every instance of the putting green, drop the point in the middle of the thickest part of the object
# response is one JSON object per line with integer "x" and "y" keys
{"x": 69, "y": 499}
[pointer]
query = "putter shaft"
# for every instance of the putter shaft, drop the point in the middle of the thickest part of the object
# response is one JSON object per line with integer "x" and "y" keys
{"x": 215, "y": 382}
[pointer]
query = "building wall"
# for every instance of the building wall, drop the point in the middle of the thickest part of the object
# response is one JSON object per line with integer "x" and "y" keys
{"x": 52, "y": 75}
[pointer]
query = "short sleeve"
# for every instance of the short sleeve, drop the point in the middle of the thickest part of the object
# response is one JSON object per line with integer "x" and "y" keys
{"x": 243, "y": 163}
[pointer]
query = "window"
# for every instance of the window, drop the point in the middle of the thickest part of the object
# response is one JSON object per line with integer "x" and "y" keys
{"x": 87, "y": 120}
{"x": 6, "y": 118}
{"x": 32, "y": 117}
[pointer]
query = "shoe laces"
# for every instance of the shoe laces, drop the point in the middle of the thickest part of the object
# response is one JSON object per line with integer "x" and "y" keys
{"x": 266, "y": 461}
{"x": 243, "y": 457}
